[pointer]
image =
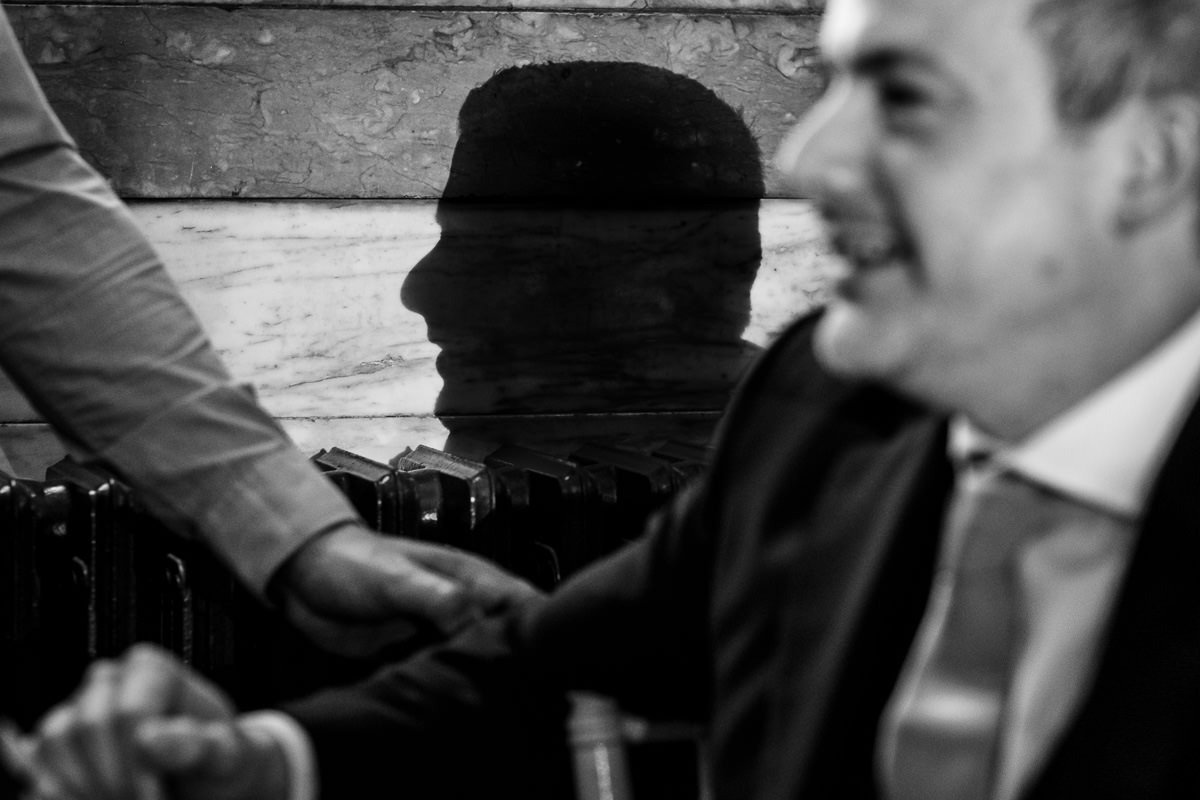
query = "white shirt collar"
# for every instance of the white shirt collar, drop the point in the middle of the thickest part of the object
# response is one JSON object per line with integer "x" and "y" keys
{"x": 1107, "y": 449}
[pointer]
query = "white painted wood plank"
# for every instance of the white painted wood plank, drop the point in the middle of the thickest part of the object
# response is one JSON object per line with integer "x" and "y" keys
{"x": 302, "y": 299}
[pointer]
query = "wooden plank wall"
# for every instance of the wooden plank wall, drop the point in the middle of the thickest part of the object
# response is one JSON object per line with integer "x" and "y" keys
{"x": 496, "y": 220}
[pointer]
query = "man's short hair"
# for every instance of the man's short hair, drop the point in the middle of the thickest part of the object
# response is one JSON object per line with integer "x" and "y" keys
{"x": 1106, "y": 51}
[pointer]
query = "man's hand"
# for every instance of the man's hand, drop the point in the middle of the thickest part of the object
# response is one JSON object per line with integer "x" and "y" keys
{"x": 354, "y": 591}
{"x": 144, "y": 721}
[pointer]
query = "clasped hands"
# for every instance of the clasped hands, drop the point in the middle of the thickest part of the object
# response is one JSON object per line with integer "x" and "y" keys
{"x": 353, "y": 591}
{"x": 140, "y": 724}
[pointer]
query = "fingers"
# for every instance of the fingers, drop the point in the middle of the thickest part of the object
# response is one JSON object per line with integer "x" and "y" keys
{"x": 101, "y": 734}
{"x": 185, "y": 744}
{"x": 83, "y": 745}
{"x": 87, "y": 746}
{"x": 481, "y": 587}
{"x": 352, "y": 574}
{"x": 354, "y": 591}
{"x": 348, "y": 638}
{"x": 216, "y": 759}
{"x": 418, "y": 582}
{"x": 16, "y": 750}
{"x": 58, "y": 771}
{"x": 404, "y": 582}
{"x": 486, "y": 586}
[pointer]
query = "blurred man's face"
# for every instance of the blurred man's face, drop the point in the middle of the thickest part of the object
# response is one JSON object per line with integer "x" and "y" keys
{"x": 971, "y": 227}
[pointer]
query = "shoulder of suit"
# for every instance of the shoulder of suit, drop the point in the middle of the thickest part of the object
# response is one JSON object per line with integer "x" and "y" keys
{"x": 787, "y": 379}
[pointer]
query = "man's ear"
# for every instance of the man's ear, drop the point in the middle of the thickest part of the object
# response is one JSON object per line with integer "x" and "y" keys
{"x": 1163, "y": 168}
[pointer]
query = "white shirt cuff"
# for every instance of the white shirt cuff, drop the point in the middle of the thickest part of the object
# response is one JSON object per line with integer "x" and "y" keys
{"x": 296, "y": 747}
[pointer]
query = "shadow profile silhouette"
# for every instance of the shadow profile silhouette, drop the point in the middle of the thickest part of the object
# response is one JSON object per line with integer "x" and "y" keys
{"x": 599, "y": 240}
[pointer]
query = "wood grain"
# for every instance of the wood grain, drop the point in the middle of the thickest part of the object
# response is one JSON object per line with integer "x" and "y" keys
{"x": 307, "y": 301}
{"x": 680, "y": 6}
{"x": 195, "y": 102}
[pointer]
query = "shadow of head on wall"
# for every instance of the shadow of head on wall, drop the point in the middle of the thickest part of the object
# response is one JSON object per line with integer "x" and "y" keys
{"x": 599, "y": 239}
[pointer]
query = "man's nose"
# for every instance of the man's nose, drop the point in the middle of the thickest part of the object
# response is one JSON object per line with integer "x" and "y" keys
{"x": 824, "y": 154}
{"x": 420, "y": 288}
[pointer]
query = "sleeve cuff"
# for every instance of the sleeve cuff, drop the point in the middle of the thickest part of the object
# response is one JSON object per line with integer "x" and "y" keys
{"x": 295, "y": 745}
{"x": 274, "y": 506}
{"x": 256, "y": 507}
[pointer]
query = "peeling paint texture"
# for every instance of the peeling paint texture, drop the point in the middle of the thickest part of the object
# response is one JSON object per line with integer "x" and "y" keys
{"x": 172, "y": 101}
{"x": 803, "y": 6}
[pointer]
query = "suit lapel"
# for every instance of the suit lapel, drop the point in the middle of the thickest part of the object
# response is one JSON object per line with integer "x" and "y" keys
{"x": 1137, "y": 733}
{"x": 862, "y": 578}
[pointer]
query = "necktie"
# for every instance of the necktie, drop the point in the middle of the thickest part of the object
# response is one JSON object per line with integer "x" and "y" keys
{"x": 941, "y": 734}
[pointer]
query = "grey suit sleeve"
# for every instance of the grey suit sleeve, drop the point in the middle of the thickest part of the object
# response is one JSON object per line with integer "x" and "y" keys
{"x": 97, "y": 336}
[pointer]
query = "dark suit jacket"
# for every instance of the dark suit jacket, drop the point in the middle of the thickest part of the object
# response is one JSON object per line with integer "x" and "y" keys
{"x": 776, "y": 604}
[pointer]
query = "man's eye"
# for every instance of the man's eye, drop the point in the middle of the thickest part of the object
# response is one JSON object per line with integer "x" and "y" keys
{"x": 905, "y": 105}
{"x": 902, "y": 96}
